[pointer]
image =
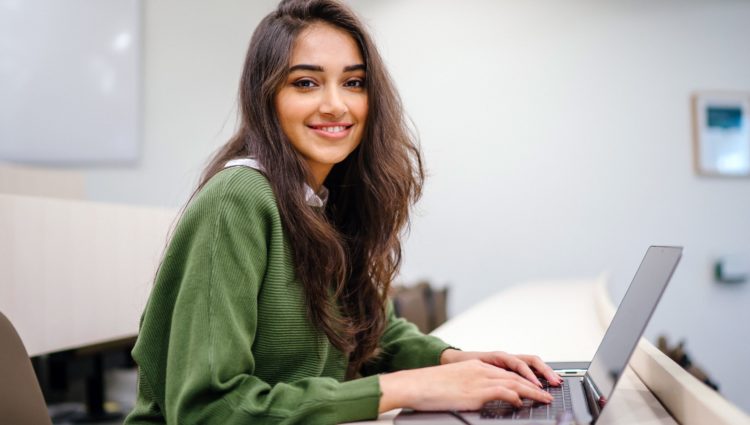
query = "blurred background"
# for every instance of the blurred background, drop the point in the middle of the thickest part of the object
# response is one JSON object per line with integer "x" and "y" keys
{"x": 557, "y": 137}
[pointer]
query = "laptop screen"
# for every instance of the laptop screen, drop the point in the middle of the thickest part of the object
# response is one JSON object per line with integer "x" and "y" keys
{"x": 631, "y": 318}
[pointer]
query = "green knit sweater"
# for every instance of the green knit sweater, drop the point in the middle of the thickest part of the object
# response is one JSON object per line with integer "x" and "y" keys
{"x": 225, "y": 339}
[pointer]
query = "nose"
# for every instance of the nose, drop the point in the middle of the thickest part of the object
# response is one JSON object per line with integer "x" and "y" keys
{"x": 332, "y": 103}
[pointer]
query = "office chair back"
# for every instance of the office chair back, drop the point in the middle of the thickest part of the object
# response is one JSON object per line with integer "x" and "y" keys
{"x": 21, "y": 399}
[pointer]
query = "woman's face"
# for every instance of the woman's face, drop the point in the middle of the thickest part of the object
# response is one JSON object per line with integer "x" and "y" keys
{"x": 322, "y": 106}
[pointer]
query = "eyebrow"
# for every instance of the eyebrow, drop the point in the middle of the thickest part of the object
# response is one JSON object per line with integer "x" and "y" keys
{"x": 318, "y": 68}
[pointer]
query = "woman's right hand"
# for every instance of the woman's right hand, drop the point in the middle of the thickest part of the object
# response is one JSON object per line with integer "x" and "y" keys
{"x": 457, "y": 386}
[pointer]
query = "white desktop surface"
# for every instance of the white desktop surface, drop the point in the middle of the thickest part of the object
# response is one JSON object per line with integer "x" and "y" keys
{"x": 557, "y": 320}
{"x": 59, "y": 258}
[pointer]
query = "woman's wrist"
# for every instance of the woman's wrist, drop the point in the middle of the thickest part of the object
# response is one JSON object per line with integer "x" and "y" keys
{"x": 394, "y": 391}
{"x": 450, "y": 355}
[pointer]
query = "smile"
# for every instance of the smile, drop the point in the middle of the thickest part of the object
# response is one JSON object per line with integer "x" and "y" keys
{"x": 335, "y": 131}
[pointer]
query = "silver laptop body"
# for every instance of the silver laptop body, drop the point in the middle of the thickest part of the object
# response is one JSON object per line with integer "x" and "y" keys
{"x": 588, "y": 385}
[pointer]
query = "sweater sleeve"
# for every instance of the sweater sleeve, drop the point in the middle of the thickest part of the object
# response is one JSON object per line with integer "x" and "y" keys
{"x": 195, "y": 348}
{"x": 403, "y": 346}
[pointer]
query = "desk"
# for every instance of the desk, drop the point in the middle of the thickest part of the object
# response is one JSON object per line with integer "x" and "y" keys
{"x": 565, "y": 324}
{"x": 60, "y": 258}
{"x": 77, "y": 273}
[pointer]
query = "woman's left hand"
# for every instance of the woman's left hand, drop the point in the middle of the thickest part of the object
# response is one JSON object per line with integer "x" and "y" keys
{"x": 522, "y": 364}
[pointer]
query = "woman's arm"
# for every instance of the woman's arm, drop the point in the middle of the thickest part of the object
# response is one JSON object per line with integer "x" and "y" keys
{"x": 457, "y": 379}
{"x": 196, "y": 349}
{"x": 403, "y": 346}
{"x": 458, "y": 386}
{"x": 528, "y": 366}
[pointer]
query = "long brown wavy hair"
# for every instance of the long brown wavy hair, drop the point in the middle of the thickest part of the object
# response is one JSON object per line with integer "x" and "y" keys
{"x": 351, "y": 249}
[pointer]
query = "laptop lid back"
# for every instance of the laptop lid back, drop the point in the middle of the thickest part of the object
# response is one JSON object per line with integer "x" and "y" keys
{"x": 630, "y": 320}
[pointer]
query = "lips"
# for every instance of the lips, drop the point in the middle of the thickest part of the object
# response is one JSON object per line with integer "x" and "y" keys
{"x": 331, "y": 130}
{"x": 333, "y": 127}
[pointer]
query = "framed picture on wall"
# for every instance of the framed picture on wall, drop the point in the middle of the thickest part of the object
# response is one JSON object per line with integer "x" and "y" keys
{"x": 721, "y": 133}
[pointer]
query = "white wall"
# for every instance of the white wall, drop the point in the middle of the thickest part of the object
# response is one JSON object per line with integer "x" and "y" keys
{"x": 194, "y": 51}
{"x": 557, "y": 137}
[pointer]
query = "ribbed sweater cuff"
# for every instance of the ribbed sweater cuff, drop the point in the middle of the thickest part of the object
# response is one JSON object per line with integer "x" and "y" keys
{"x": 434, "y": 350}
{"x": 358, "y": 399}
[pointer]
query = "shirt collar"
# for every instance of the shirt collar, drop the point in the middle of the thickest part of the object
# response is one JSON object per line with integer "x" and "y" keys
{"x": 312, "y": 198}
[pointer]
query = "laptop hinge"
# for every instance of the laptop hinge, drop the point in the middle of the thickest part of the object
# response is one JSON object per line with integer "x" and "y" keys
{"x": 595, "y": 400}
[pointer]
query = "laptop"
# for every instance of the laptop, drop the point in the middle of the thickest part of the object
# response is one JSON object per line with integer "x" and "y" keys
{"x": 587, "y": 385}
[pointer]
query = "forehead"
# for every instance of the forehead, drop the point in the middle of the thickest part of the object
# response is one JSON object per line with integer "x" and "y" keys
{"x": 323, "y": 44}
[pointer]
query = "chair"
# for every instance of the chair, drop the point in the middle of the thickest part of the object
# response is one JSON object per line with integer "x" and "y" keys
{"x": 21, "y": 400}
{"x": 421, "y": 304}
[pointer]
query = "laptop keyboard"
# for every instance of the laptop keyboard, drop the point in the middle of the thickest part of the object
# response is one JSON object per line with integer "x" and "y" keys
{"x": 531, "y": 409}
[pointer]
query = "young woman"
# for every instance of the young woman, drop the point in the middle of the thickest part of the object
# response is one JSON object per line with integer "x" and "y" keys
{"x": 270, "y": 303}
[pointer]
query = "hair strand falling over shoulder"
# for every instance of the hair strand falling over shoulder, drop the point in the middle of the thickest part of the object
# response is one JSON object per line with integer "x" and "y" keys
{"x": 346, "y": 256}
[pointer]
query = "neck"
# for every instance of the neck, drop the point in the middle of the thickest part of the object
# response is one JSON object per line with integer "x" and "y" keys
{"x": 319, "y": 173}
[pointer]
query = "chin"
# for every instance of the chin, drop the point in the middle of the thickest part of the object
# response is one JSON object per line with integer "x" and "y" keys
{"x": 333, "y": 159}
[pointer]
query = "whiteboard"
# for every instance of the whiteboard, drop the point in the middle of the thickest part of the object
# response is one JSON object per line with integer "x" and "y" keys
{"x": 70, "y": 85}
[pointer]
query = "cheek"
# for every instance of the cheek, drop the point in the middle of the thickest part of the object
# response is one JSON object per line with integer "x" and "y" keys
{"x": 290, "y": 110}
{"x": 363, "y": 108}
{"x": 282, "y": 113}
{"x": 361, "y": 111}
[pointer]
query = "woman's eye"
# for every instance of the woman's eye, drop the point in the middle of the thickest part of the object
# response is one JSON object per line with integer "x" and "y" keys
{"x": 304, "y": 84}
{"x": 356, "y": 83}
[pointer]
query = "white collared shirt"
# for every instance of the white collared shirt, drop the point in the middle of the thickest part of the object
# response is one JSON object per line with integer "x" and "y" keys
{"x": 313, "y": 199}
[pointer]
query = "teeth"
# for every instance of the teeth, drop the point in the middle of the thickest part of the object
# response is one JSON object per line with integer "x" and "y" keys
{"x": 335, "y": 129}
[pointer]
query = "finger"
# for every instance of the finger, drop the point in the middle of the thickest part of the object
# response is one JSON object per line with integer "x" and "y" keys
{"x": 529, "y": 392}
{"x": 522, "y": 368}
{"x": 512, "y": 376}
{"x": 509, "y": 362}
{"x": 500, "y": 392}
{"x": 499, "y": 373}
{"x": 543, "y": 368}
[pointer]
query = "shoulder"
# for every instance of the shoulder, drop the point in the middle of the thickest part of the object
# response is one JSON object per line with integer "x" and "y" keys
{"x": 237, "y": 188}
{"x": 240, "y": 184}
{"x": 238, "y": 197}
